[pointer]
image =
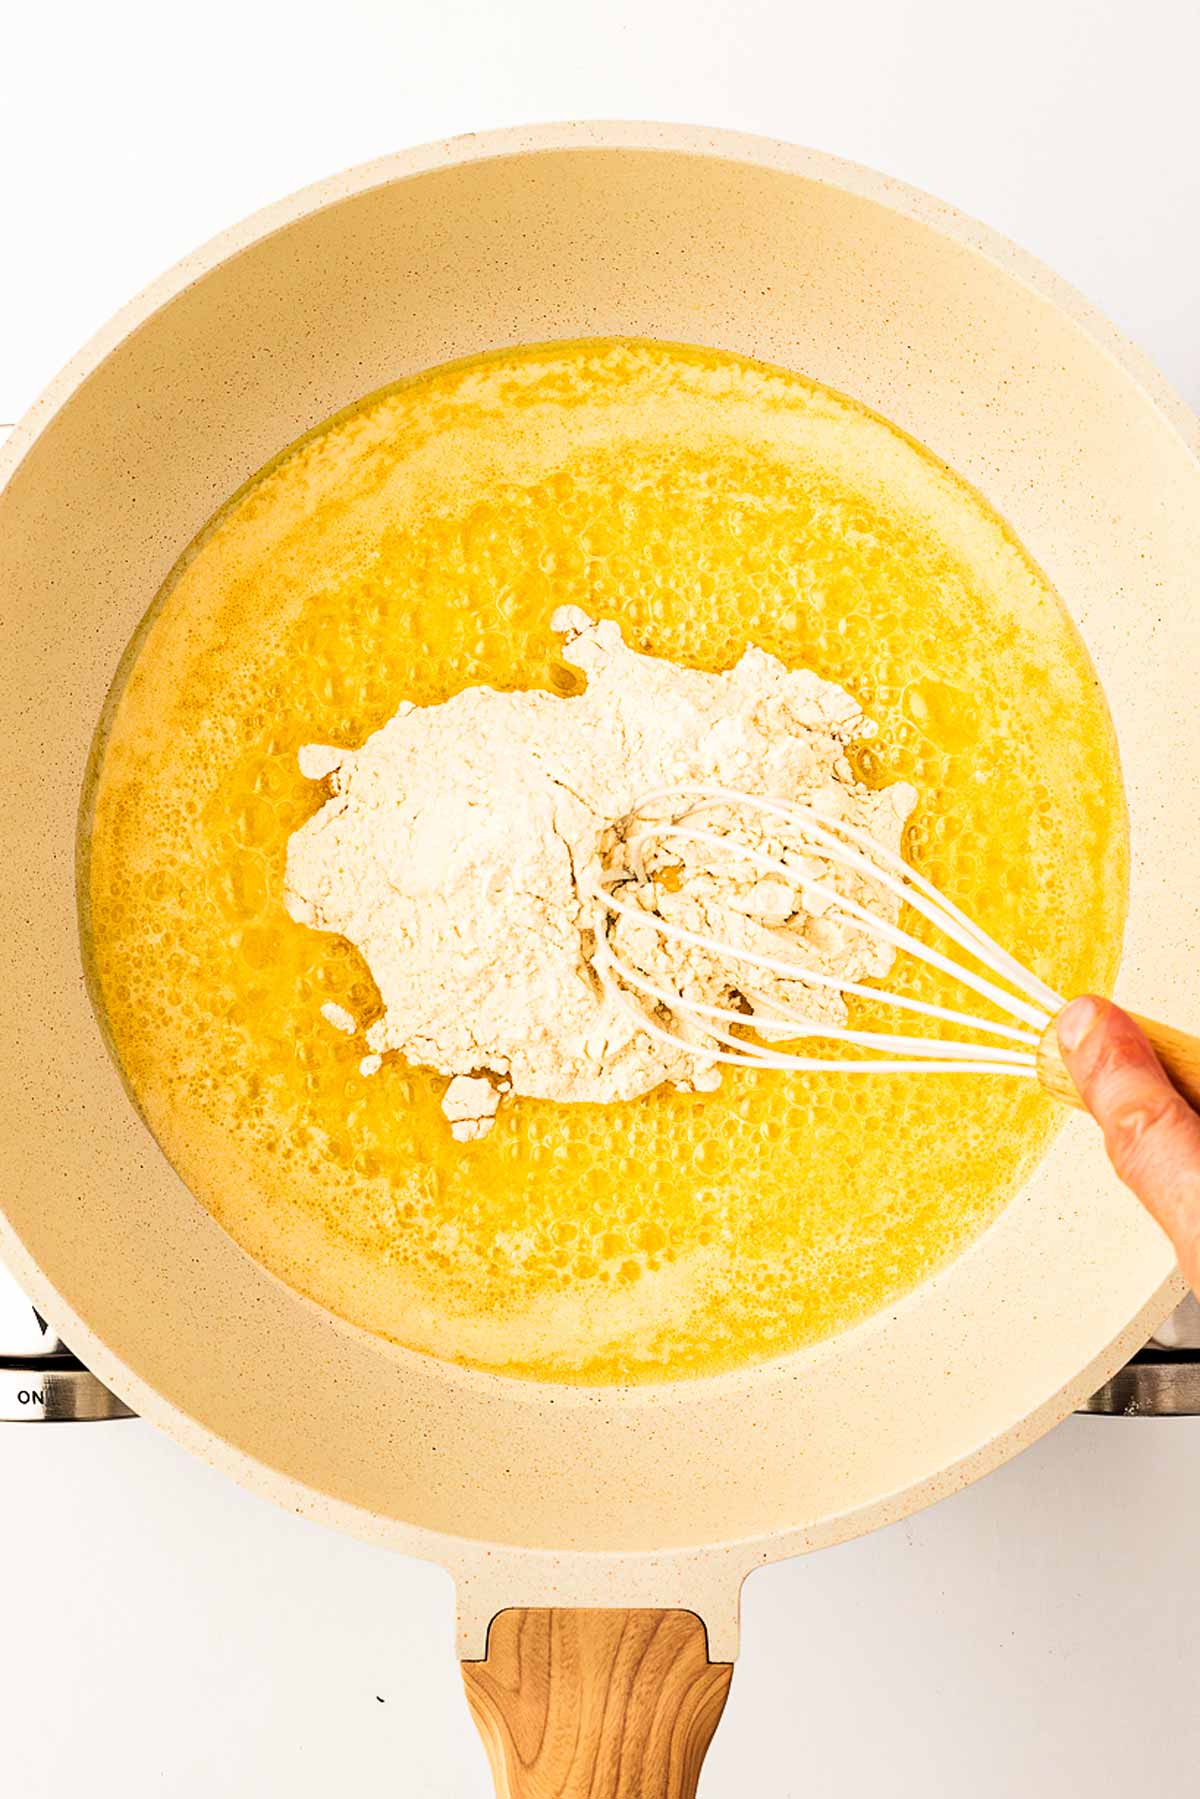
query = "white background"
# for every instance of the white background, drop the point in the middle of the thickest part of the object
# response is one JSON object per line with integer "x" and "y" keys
{"x": 160, "y": 1631}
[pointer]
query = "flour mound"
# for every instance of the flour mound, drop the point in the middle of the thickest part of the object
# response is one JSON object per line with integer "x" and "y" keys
{"x": 459, "y": 843}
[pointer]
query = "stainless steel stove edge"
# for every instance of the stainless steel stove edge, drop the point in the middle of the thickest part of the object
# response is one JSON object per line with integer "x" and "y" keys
{"x": 1155, "y": 1384}
{"x": 54, "y": 1389}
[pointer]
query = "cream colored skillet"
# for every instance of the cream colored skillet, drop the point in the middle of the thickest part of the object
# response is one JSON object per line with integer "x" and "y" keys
{"x": 653, "y": 1503}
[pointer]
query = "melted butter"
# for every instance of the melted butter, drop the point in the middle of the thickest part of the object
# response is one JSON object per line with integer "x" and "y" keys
{"x": 420, "y": 543}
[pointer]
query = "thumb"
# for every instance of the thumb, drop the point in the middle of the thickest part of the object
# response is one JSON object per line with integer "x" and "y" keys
{"x": 1151, "y": 1133}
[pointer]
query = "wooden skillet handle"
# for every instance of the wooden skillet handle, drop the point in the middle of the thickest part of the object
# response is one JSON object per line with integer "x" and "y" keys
{"x": 1178, "y": 1052}
{"x": 596, "y": 1704}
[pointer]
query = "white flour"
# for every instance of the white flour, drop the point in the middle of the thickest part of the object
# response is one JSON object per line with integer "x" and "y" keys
{"x": 455, "y": 843}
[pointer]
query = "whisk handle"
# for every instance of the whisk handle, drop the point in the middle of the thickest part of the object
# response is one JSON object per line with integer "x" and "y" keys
{"x": 1178, "y": 1051}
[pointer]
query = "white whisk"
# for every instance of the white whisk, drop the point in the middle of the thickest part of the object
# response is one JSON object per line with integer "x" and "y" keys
{"x": 1023, "y": 1041}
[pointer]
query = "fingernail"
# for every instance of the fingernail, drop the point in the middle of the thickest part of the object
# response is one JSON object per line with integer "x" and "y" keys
{"x": 1075, "y": 1021}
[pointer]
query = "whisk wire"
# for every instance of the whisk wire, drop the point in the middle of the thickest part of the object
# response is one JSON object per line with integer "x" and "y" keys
{"x": 792, "y": 1025}
{"x": 865, "y": 920}
{"x": 1032, "y": 1005}
{"x": 822, "y": 829}
{"x": 749, "y": 1055}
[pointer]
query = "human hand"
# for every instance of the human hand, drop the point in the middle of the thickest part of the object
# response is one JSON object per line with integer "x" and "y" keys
{"x": 1150, "y": 1131}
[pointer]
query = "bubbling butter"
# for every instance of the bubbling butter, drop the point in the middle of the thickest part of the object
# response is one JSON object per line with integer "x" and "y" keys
{"x": 418, "y": 545}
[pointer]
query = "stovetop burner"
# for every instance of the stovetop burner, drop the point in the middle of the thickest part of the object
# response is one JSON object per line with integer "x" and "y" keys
{"x": 41, "y": 1382}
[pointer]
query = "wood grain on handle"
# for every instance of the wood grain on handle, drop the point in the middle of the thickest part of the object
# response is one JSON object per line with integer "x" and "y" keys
{"x": 596, "y": 1704}
{"x": 1178, "y": 1051}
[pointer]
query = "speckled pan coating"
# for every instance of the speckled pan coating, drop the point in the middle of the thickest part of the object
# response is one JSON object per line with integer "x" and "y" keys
{"x": 533, "y": 1494}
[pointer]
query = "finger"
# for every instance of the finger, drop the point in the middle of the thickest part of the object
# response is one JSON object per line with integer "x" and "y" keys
{"x": 1151, "y": 1133}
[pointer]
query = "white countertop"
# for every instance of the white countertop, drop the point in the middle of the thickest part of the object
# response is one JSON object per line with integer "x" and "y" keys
{"x": 162, "y": 1632}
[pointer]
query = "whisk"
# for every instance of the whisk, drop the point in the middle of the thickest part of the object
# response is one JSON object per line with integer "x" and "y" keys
{"x": 1021, "y": 1042}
